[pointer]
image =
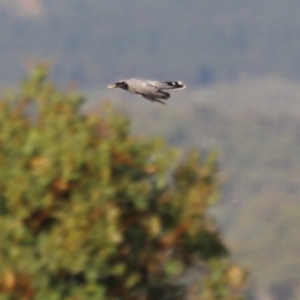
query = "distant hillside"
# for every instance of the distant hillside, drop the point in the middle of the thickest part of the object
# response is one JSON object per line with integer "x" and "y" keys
{"x": 23, "y": 7}
{"x": 254, "y": 125}
{"x": 200, "y": 42}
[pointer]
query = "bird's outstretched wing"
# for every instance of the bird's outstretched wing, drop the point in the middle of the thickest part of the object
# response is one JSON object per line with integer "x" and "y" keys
{"x": 167, "y": 85}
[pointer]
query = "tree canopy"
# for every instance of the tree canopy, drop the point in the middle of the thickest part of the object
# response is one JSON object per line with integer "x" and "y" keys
{"x": 89, "y": 211}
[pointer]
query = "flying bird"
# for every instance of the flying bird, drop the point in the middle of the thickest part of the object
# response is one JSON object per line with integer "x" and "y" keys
{"x": 150, "y": 89}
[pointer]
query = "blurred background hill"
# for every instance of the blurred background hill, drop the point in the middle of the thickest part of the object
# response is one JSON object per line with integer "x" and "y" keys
{"x": 201, "y": 41}
{"x": 240, "y": 60}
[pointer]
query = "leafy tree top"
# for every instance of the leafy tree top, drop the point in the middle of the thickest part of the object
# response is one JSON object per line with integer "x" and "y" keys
{"x": 88, "y": 211}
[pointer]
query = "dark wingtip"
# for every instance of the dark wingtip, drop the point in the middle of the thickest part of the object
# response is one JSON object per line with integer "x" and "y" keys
{"x": 176, "y": 84}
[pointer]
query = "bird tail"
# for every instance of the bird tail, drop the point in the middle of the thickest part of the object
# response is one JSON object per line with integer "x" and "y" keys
{"x": 178, "y": 85}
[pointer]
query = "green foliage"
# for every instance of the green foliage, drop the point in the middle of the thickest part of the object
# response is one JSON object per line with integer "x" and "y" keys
{"x": 88, "y": 211}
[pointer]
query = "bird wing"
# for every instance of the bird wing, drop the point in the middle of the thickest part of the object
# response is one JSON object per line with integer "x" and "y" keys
{"x": 166, "y": 85}
{"x": 140, "y": 86}
{"x": 144, "y": 87}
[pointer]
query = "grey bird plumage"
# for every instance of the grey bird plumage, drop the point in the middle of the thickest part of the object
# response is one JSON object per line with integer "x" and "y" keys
{"x": 150, "y": 89}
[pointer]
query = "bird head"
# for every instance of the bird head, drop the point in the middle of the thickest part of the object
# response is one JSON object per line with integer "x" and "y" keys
{"x": 120, "y": 84}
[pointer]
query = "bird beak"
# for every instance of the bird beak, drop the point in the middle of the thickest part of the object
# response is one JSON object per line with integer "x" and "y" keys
{"x": 112, "y": 86}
